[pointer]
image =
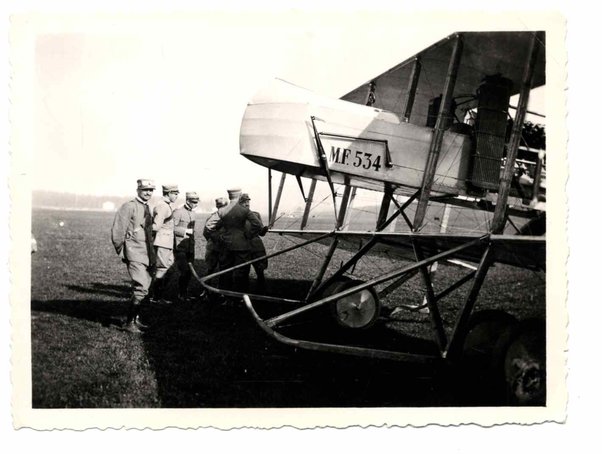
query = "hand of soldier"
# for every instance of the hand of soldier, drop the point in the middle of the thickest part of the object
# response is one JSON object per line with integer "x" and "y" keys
{"x": 263, "y": 231}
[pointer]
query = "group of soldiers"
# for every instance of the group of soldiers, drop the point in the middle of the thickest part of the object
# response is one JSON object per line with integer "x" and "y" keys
{"x": 150, "y": 242}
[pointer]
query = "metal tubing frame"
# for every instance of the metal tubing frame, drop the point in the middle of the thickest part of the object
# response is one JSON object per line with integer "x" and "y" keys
{"x": 438, "y": 131}
{"x": 499, "y": 215}
{"x": 372, "y": 282}
{"x": 458, "y": 335}
{"x": 269, "y": 196}
{"x": 204, "y": 279}
{"x": 308, "y": 202}
{"x": 459, "y": 283}
{"x": 349, "y": 204}
{"x": 351, "y": 262}
{"x": 537, "y": 179}
{"x": 300, "y": 183}
{"x": 323, "y": 268}
{"x": 334, "y": 348}
{"x": 395, "y": 284}
{"x": 400, "y": 210}
{"x": 344, "y": 205}
{"x": 324, "y": 165}
{"x": 384, "y": 206}
{"x": 434, "y": 314}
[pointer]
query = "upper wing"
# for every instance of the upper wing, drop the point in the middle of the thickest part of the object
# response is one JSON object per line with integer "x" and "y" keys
{"x": 483, "y": 54}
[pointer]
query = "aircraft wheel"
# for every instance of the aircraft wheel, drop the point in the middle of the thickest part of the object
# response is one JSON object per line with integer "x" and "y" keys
{"x": 524, "y": 364}
{"x": 484, "y": 330}
{"x": 359, "y": 310}
{"x": 487, "y": 331}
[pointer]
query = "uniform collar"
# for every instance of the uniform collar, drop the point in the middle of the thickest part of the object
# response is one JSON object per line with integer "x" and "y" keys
{"x": 141, "y": 201}
{"x": 188, "y": 207}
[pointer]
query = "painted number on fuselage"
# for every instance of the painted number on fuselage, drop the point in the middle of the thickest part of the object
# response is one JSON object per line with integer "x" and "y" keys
{"x": 354, "y": 158}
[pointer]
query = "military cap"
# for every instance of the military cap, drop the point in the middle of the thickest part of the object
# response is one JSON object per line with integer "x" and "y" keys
{"x": 146, "y": 184}
{"x": 192, "y": 196}
{"x": 170, "y": 188}
{"x": 221, "y": 202}
{"x": 233, "y": 193}
{"x": 244, "y": 197}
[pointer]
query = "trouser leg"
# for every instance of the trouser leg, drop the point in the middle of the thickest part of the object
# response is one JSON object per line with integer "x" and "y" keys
{"x": 164, "y": 261}
{"x": 141, "y": 281}
{"x": 241, "y": 275}
{"x": 182, "y": 260}
{"x": 226, "y": 260}
{"x": 260, "y": 276}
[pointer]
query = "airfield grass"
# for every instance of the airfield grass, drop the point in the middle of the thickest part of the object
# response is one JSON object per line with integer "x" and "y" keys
{"x": 211, "y": 355}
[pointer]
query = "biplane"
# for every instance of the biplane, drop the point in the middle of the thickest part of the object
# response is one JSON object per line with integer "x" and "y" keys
{"x": 441, "y": 129}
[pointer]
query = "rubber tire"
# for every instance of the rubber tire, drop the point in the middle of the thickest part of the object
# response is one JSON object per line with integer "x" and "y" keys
{"x": 366, "y": 317}
{"x": 484, "y": 330}
{"x": 524, "y": 364}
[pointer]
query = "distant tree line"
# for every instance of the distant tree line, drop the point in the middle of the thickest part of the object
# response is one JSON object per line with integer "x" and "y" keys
{"x": 67, "y": 200}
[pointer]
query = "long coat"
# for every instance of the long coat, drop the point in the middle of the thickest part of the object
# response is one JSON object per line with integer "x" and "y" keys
{"x": 183, "y": 219}
{"x": 163, "y": 225}
{"x": 132, "y": 232}
{"x": 212, "y": 233}
{"x": 256, "y": 243}
{"x": 233, "y": 218}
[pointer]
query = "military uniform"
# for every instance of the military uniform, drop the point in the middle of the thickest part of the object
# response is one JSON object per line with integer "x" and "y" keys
{"x": 184, "y": 223}
{"x": 131, "y": 235}
{"x": 235, "y": 238}
{"x": 212, "y": 232}
{"x": 258, "y": 250}
{"x": 164, "y": 239}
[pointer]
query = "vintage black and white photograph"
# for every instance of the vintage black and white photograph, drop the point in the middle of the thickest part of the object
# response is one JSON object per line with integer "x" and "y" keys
{"x": 288, "y": 218}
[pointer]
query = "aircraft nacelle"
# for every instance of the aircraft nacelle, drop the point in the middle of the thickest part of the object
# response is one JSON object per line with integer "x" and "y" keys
{"x": 364, "y": 147}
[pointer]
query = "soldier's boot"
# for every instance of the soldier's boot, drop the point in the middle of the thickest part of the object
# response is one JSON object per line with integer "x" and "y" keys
{"x": 159, "y": 291}
{"x": 130, "y": 324}
{"x": 139, "y": 324}
{"x": 260, "y": 280}
{"x": 183, "y": 290}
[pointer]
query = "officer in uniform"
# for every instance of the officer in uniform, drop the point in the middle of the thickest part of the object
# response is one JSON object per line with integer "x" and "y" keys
{"x": 256, "y": 244}
{"x": 131, "y": 235}
{"x": 184, "y": 223}
{"x": 212, "y": 232}
{"x": 235, "y": 238}
{"x": 163, "y": 230}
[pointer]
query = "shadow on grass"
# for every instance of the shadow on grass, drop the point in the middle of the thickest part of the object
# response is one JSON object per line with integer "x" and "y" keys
{"x": 104, "y": 312}
{"x": 212, "y": 355}
{"x": 97, "y": 288}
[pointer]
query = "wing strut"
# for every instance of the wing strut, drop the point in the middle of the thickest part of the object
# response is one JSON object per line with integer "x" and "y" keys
{"x": 324, "y": 165}
{"x": 437, "y": 139}
{"x": 308, "y": 202}
{"x": 277, "y": 201}
{"x": 412, "y": 86}
{"x": 499, "y": 216}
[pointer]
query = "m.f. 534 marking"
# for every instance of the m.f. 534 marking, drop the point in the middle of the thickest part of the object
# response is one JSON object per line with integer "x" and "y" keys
{"x": 354, "y": 158}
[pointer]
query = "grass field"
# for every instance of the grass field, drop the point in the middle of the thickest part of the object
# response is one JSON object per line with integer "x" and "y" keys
{"x": 205, "y": 355}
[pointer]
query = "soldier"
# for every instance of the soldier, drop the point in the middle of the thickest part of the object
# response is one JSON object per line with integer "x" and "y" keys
{"x": 237, "y": 249}
{"x": 184, "y": 223}
{"x": 257, "y": 246}
{"x": 163, "y": 229}
{"x": 131, "y": 235}
{"x": 211, "y": 232}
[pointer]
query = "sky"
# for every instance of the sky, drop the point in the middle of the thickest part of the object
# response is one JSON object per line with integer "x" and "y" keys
{"x": 117, "y": 98}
